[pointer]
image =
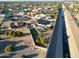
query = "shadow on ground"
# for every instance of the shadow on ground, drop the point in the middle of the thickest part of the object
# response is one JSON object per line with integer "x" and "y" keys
{"x": 6, "y": 42}
{"x": 30, "y": 56}
{"x": 8, "y": 56}
{"x": 25, "y": 34}
{"x": 20, "y": 47}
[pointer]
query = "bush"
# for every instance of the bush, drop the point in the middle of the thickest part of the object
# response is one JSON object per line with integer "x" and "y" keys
{"x": 23, "y": 56}
{"x": 7, "y": 33}
{"x": 14, "y": 33}
{"x": 0, "y": 26}
{"x": 18, "y": 33}
{"x": 11, "y": 32}
{"x": 35, "y": 33}
{"x": 42, "y": 40}
{"x": 51, "y": 27}
{"x": 8, "y": 48}
{"x": 0, "y": 38}
{"x": 42, "y": 35}
{"x": 46, "y": 28}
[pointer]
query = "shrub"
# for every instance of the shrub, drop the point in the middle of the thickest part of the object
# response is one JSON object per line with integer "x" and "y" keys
{"x": 9, "y": 48}
{"x": 42, "y": 35}
{"x": 7, "y": 33}
{"x": 42, "y": 40}
{"x": 11, "y": 32}
{"x": 23, "y": 56}
{"x": 14, "y": 33}
{"x": 0, "y": 26}
{"x": 18, "y": 33}
{"x": 46, "y": 28}
{"x": 34, "y": 32}
{"x": 51, "y": 27}
{"x": 0, "y": 38}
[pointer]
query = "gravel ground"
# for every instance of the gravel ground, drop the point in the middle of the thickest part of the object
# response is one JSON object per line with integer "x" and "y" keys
{"x": 22, "y": 46}
{"x": 20, "y": 49}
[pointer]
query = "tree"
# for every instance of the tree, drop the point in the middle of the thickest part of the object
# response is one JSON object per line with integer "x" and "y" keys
{"x": 9, "y": 48}
{"x": 14, "y": 33}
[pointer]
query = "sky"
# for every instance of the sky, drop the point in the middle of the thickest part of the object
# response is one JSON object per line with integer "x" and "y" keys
{"x": 39, "y": 0}
{"x": 31, "y": 0}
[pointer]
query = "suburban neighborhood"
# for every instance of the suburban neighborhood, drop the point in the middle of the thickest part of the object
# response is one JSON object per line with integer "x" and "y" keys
{"x": 26, "y": 28}
{"x": 39, "y": 29}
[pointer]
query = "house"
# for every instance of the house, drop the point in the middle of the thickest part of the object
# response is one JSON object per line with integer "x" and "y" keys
{"x": 44, "y": 23}
{"x": 40, "y": 16}
{"x": 6, "y": 25}
{"x": 35, "y": 10}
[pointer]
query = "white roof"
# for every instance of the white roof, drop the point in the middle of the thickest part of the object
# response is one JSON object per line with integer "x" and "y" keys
{"x": 42, "y": 15}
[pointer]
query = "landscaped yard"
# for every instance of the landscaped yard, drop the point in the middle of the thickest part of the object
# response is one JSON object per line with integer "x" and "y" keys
{"x": 41, "y": 38}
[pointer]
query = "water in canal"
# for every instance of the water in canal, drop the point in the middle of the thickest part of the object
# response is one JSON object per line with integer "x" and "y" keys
{"x": 66, "y": 52}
